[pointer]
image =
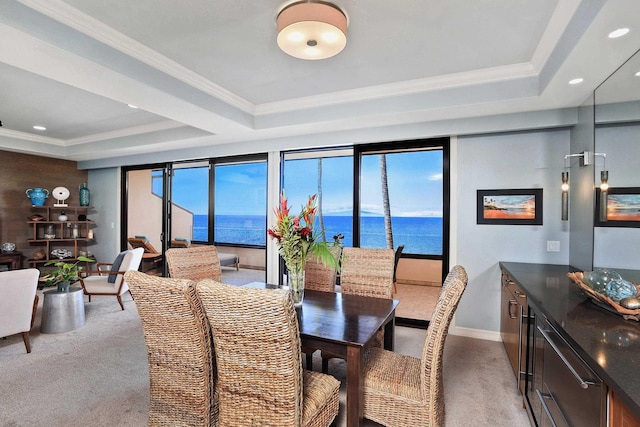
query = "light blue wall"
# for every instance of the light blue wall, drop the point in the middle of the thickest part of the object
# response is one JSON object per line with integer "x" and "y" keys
{"x": 104, "y": 185}
{"x": 504, "y": 161}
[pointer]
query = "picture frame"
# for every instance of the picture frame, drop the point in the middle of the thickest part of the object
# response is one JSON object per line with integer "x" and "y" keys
{"x": 623, "y": 207}
{"x": 510, "y": 207}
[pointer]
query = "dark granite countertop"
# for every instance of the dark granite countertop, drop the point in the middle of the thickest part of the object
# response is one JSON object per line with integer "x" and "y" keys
{"x": 609, "y": 344}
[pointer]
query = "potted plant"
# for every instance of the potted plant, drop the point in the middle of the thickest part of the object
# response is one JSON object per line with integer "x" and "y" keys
{"x": 64, "y": 273}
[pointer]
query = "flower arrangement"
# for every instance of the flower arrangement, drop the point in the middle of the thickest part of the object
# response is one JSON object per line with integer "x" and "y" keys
{"x": 295, "y": 236}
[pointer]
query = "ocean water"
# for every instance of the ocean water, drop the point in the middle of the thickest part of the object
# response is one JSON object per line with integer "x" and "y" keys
{"x": 420, "y": 235}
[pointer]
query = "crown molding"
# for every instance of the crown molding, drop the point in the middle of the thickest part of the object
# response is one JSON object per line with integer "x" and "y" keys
{"x": 73, "y": 18}
{"x": 562, "y": 15}
{"x": 31, "y": 137}
{"x": 449, "y": 81}
{"x": 136, "y": 130}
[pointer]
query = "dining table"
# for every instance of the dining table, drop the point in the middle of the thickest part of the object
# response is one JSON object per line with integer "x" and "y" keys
{"x": 344, "y": 325}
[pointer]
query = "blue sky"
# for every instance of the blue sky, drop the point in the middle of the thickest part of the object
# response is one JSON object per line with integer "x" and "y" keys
{"x": 414, "y": 178}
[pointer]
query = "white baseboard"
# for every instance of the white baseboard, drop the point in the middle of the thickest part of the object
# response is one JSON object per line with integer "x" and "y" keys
{"x": 475, "y": 333}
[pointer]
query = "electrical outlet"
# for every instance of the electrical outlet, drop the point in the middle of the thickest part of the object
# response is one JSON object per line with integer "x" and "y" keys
{"x": 553, "y": 246}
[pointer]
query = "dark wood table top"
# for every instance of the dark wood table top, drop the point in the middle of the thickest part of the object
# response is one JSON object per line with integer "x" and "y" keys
{"x": 336, "y": 317}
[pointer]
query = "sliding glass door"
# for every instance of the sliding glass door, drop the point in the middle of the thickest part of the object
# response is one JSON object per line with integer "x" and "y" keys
{"x": 145, "y": 211}
{"x": 220, "y": 202}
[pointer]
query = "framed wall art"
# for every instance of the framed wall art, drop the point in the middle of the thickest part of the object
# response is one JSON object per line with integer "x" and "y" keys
{"x": 510, "y": 207}
{"x": 623, "y": 207}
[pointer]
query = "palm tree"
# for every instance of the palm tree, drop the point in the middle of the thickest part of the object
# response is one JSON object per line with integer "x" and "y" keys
{"x": 385, "y": 202}
{"x": 320, "y": 217}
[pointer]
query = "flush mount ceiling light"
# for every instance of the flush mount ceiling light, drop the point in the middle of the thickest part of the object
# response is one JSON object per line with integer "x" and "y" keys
{"x": 618, "y": 33}
{"x": 312, "y": 30}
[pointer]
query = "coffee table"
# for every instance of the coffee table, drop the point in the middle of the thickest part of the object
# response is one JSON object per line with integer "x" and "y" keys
{"x": 62, "y": 311}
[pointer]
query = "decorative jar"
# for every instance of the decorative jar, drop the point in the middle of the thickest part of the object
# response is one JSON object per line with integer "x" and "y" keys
{"x": 37, "y": 195}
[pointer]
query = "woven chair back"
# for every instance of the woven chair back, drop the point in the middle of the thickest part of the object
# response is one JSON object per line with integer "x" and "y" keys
{"x": 321, "y": 277}
{"x": 367, "y": 272}
{"x": 194, "y": 263}
{"x": 257, "y": 344}
{"x": 431, "y": 362}
{"x": 179, "y": 349}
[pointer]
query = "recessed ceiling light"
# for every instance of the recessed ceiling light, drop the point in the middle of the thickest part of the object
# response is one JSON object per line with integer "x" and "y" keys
{"x": 132, "y": 106}
{"x": 39, "y": 127}
{"x": 637, "y": 74}
{"x": 576, "y": 81}
{"x": 618, "y": 33}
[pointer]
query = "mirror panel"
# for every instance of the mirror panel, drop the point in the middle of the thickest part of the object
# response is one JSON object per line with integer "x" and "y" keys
{"x": 617, "y": 133}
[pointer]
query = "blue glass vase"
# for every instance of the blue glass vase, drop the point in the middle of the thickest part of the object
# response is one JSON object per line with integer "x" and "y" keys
{"x": 85, "y": 195}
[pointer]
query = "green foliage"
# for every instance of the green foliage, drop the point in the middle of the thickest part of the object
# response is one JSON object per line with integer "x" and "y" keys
{"x": 64, "y": 271}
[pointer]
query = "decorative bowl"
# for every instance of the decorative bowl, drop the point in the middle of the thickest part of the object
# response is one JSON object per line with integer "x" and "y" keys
{"x": 602, "y": 300}
{"x": 36, "y": 217}
{"x": 61, "y": 253}
{"x": 39, "y": 254}
{"x": 8, "y": 247}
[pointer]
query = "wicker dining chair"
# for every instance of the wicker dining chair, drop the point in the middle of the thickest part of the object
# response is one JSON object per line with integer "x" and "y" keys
{"x": 194, "y": 263}
{"x": 365, "y": 272}
{"x": 401, "y": 390}
{"x": 179, "y": 350}
{"x": 260, "y": 377}
{"x": 319, "y": 277}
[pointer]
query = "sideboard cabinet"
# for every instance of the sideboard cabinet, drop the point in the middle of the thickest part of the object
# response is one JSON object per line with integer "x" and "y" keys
{"x": 513, "y": 322}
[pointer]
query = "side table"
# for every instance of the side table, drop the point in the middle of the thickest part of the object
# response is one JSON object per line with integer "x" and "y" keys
{"x": 13, "y": 259}
{"x": 62, "y": 311}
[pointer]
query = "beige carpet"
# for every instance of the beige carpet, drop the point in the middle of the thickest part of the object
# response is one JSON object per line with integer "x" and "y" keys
{"x": 97, "y": 375}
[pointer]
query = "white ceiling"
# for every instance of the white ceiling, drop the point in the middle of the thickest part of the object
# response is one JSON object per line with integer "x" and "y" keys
{"x": 209, "y": 72}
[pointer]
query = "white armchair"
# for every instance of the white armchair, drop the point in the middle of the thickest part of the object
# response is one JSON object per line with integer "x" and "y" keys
{"x": 18, "y": 302}
{"x": 111, "y": 281}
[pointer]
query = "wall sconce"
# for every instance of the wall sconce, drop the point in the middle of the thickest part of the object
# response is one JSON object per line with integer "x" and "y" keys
{"x": 604, "y": 194}
{"x": 565, "y": 196}
{"x": 587, "y": 158}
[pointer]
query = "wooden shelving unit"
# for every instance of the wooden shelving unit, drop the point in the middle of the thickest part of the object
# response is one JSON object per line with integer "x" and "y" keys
{"x": 63, "y": 231}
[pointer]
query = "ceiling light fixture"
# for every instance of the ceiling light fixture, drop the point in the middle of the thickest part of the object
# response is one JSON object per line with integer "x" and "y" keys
{"x": 312, "y": 30}
{"x": 132, "y": 106}
{"x": 637, "y": 74}
{"x": 576, "y": 81}
{"x": 36, "y": 127}
{"x": 618, "y": 33}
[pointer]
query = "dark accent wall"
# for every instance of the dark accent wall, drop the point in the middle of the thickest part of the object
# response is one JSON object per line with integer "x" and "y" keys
{"x": 18, "y": 172}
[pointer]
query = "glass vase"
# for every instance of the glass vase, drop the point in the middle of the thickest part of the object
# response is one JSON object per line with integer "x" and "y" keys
{"x": 85, "y": 195}
{"x": 295, "y": 281}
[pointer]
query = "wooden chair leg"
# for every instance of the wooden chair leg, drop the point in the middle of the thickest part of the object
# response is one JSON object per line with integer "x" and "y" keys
{"x": 310, "y": 362}
{"x": 120, "y": 301}
{"x": 27, "y": 344}
{"x": 325, "y": 365}
{"x": 35, "y": 308}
